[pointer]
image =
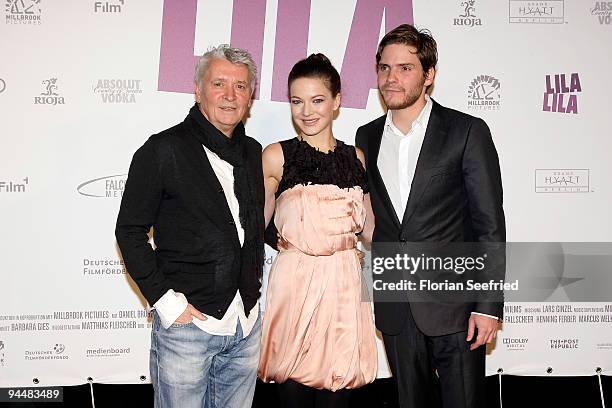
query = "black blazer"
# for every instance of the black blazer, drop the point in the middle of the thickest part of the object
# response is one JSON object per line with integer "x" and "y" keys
{"x": 456, "y": 196}
{"x": 172, "y": 187}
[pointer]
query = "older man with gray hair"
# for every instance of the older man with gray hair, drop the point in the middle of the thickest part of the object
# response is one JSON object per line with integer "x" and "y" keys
{"x": 199, "y": 185}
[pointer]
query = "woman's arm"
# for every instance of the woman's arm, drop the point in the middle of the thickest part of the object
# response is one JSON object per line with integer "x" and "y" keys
{"x": 368, "y": 228}
{"x": 272, "y": 162}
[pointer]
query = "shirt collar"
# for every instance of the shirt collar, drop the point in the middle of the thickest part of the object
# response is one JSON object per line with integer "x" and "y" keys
{"x": 421, "y": 121}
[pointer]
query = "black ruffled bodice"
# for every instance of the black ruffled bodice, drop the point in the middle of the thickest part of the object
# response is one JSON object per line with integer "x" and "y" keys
{"x": 306, "y": 165}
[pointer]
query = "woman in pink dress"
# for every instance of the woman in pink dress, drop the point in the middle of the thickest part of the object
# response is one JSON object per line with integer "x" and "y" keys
{"x": 318, "y": 336}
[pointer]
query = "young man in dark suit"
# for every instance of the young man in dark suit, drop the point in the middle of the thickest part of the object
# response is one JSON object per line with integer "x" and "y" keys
{"x": 199, "y": 185}
{"x": 434, "y": 177}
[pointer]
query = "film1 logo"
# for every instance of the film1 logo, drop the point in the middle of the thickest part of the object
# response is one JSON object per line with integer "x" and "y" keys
{"x": 104, "y": 187}
{"x": 602, "y": 10}
{"x": 23, "y": 11}
{"x": 484, "y": 93}
{"x": 562, "y": 180}
{"x": 468, "y": 17}
{"x": 108, "y": 7}
{"x": 557, "y": 89}
{"x": 14, "y": 186}
{"x": 537, "y": 12}
{"x": 117, "y": 90}
{"x": 49, "y": 95}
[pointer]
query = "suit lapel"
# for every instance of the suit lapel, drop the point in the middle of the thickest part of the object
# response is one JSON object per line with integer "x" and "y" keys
{"x": 428, "y": 158}
{"x": 374, "y": 141}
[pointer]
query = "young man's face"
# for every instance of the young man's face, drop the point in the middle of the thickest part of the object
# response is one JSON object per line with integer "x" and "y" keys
{"x": 401, "y": 79}
{"x": 224, "y": 94}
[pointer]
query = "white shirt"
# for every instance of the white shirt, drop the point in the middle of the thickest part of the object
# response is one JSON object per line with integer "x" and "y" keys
{"x": 172, "y": 304}
{"x": 398, "y": 158}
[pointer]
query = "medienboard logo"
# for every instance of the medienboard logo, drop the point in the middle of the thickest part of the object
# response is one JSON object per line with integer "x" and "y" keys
{"x": 562, "y": 180}
{"x": 536, "y": 12}
{"x": 101, "y": 352}
{"x": 103, "y": 187}
{"x": 23, "y": 12}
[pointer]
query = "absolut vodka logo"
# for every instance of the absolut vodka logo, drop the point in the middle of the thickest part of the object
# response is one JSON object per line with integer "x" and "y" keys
{"x": 50, "y": 94}
{"x": 561, "y": 94}
{"x": 602, "y": 10}
{"x": 484, "y": 93}
{"x": 118, "y": 90}
{"x": 468, "y": 17}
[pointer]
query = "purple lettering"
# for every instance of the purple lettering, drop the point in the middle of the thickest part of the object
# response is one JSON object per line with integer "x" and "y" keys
{"x": 572, "y": 104}
{"x": 575, "y": 83}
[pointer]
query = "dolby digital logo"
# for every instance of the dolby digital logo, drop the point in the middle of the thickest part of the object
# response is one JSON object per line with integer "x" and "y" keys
{"x": 103, "y": 187}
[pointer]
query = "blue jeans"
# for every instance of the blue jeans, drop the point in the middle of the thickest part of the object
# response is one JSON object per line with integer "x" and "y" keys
{"x": 191, "y": 368}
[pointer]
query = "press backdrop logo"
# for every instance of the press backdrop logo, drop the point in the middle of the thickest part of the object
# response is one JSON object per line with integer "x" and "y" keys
{"x": 561, "y": 94}
{"x": 118, "y": 90}
{"x": 13, "y": 186}
{"x": 484, "y": 93}
{"x": 468, "y": 17}
{"x": 55, "y": 352}
{"x": 515, "y": 343}
{"x": 108, "y": 6}
{"x": 537, "y": 12}
{"x": 564, "y": 344}
{"x": 2, "y": 85}
{"x": 603, "y": 10}
{"x": 104, "y": 187}
{"x": 50, "y": 94}
{"x": 2, "y": 359}
{"x": 102, "y": 352}
{"x": 562, "y": 180}
{"x": 23, "y": 12}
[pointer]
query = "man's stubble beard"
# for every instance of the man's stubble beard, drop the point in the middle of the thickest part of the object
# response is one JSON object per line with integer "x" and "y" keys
{"x": 413, "y": 96}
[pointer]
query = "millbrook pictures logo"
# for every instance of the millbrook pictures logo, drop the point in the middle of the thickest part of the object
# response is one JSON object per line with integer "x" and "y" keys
{"x": 557, "y": 89}
{"x": 603, "y": 10}
{"x": 536, "y": 12}
{"x": 23, "y": 11}
{"x": 468, "y": 17}
{"x": 106, "y": 187}
{"x": 49, "y": 96}
{"x": 562, "y": 180}
{"x": 118, "y": 90}
{"x": 484, "y": 93}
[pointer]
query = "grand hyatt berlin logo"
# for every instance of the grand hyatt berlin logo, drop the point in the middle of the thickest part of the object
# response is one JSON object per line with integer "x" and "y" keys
{"x": 560, "y": 96}
{"x": 603, "y": 10}
{"x": 23, "y": 11}
{"x": 562, "y": 181}
{"x": 117, "y": 90}
{"x": 468, "y": 18}
{"x": 108, "y": 7}
{"x": 104, "y": 187}
{"x": 49, "y": 95}
{"x": 536, "y": 12}
{"x": 484, "y": 93}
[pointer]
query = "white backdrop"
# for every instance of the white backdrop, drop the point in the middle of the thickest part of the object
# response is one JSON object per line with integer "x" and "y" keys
{"x": 83, "y": 85}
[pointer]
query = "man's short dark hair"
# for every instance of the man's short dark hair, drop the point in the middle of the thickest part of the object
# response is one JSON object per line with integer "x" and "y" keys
{"x": 406, "y": 34}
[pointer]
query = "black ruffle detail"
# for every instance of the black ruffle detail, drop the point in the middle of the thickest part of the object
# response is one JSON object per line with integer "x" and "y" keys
{"x": 306, "y": 165}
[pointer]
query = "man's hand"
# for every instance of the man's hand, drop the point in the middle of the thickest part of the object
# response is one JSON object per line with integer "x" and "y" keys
{"x": 188, "y": 315}
{"x": 487, "y": 330}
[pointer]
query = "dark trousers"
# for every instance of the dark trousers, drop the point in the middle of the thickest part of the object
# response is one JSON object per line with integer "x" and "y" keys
{"x": 438, "y": 371}
{"x": 295, "y": 395}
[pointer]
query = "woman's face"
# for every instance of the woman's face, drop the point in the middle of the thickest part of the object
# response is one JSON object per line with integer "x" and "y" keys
{"x": 312, "y": 105}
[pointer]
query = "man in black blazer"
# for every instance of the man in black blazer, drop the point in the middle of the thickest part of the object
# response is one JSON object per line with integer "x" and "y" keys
{"x": 199, "y": 185}
{"x": 434, "y": 177}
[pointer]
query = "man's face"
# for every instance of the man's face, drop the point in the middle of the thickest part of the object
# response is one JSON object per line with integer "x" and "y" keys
{"x": 400, "y": 76}
{"x": 224, "y": 94}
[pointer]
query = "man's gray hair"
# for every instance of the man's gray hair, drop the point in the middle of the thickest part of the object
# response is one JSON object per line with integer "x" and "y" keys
{"x": 233, "y": 55}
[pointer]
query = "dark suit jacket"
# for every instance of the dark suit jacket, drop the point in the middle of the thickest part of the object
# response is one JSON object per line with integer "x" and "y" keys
{"x": 456, "y": 196}
{"x": 172, "y": 187}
